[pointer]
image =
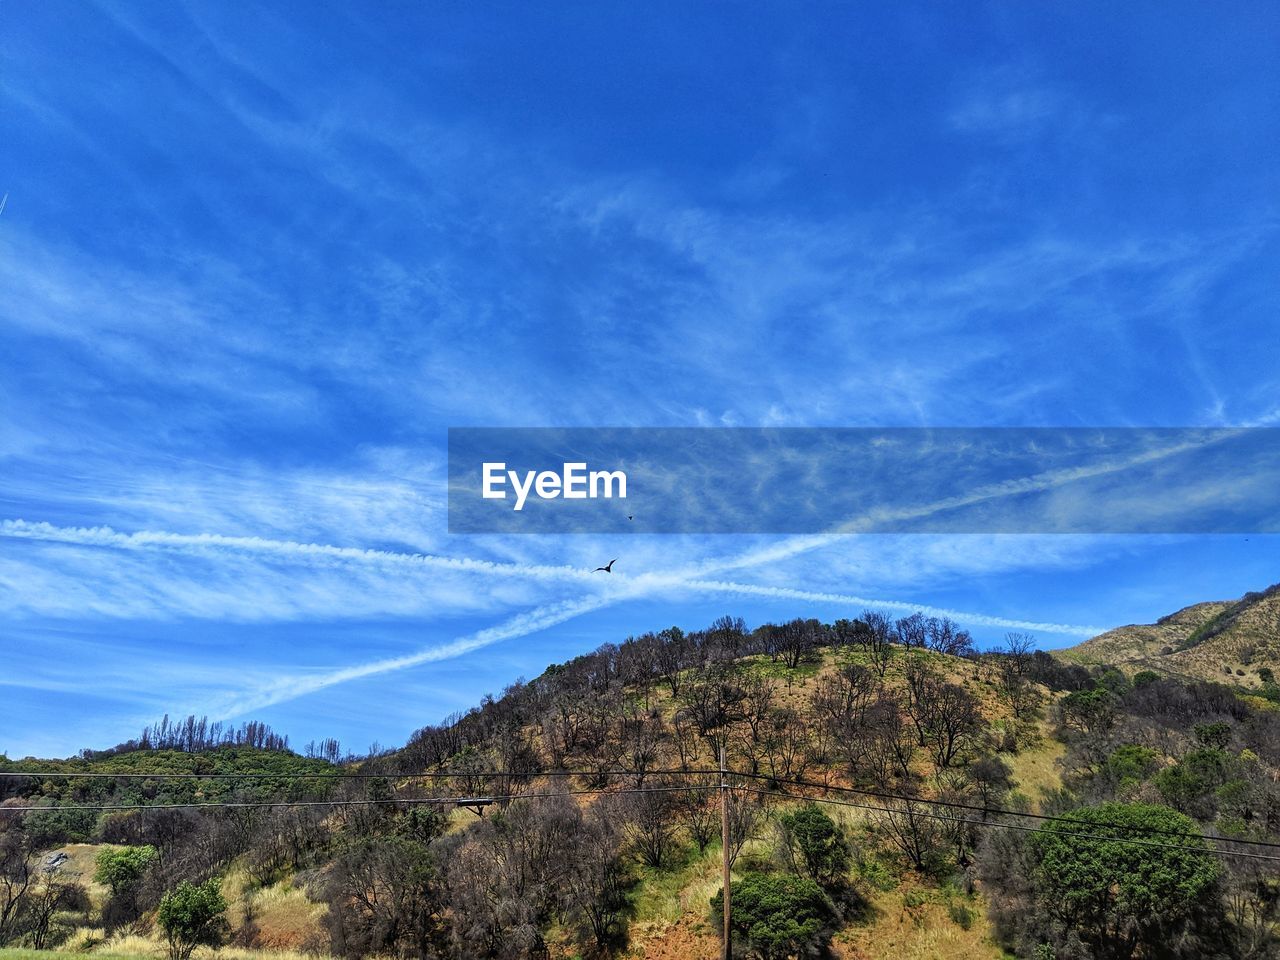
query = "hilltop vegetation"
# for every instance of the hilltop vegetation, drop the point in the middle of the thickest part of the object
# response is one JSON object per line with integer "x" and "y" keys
{"x": 1235, "y": 641}
{"x": 876, "y": 766}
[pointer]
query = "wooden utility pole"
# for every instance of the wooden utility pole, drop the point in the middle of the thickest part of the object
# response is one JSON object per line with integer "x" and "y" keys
{"x": 724, "y": 851}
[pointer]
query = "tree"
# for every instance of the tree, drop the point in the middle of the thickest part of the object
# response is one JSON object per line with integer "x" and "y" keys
{"x": 52, "y": 896}
{"x": 507, "y": 875}
{"x": 17, "y": 875}
{"x": 191, "y": 915}
{"x": 122, "y": 870}
{"x": 699, "y": 813}
{"x": 911, "y": 631}
{"x": 944, "y": 635}
{"x": 1013, "y": 667}
{"x": 779, "y": 915}
{"x": 1093, "y": 712}
{"x": 649, "y": 819}
{"x": 876, "y": 635}
{"x": 714, "y": 702}
{"x": 595, "y": 886}
{"x": 1124, "y": 898}
{"x": 384, "y": 891}
{"x": 916, "y": 833}
{"x": 946, "y": 716}
{"x": 814, "y": 845}
{"x": 792, "y": 642}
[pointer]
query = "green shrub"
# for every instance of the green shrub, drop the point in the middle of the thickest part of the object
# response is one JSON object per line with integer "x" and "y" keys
{"x": 778, "y": 915}
{"x": 876, "y": 875}
{"x": 191, "y": 915}
{"x": 915, "y": 898}
{"x": 1121, "y": 896}
{"x": 122, "y": 869}
{"x": 815, "y": 845}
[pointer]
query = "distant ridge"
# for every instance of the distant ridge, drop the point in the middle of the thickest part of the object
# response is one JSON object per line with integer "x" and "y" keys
{"x": 1219, "y": 640}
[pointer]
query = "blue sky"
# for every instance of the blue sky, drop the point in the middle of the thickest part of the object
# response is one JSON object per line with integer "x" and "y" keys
{"x": 255, "y": 261}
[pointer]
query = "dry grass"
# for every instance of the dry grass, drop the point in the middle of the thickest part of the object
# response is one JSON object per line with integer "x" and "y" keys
{"x": 80, "y": 865}
{"x": 88, "y": 943}
{"x": 914, "y": 922}
{"x": 286, "y": 920}
{"x": 1037, "y": 770}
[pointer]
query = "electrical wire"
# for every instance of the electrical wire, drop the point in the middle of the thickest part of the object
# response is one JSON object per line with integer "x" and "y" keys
{"x": 500, "y": 774}
{"x": 464, "y": 801}
{"x": 998, "y": 824}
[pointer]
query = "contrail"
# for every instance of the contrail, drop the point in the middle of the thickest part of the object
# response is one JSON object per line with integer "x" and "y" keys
{"x": 1035, "y": 483}
{"x": 316, "y": 554}
{"x": 980, "y": 619}
{"x": 643, "y": 584}
{"x": 291, "y": 687}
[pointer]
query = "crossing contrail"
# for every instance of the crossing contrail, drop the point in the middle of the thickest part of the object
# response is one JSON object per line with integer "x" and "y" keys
{"x": 317, "y": 554}
{"x": 645, "y": 583}
{"x": 291, "y": 686}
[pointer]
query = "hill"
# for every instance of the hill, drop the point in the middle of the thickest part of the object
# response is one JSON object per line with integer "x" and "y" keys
{"x": 874, "y": 766}
{"x": 1235, "y": 640}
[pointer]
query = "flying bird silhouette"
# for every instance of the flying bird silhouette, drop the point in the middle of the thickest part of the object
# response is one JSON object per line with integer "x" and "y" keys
{"x": 630, "y": 517}
{"x": 607, "y": 568}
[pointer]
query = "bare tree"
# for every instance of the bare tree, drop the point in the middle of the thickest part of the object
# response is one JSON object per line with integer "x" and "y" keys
{"x": 946, "y": 716}
{"x": 876, "y": 635}
{"x": 911, "y": 631}
{"x": 650, "y": 826}
{"x": 698, "y": 812}
{"x": 943, "y": 635}
{"x": 913, "y": 832}
{"x": 594, "y": 892}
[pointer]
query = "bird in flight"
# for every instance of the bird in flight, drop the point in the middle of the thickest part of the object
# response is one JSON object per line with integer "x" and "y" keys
{"x": 630, "y": 517}
{"x": 607, "y": 568}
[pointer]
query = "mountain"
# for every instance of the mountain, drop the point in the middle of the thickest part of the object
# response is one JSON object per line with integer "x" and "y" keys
{"x": 1239, "y": 639}
{"x": 880, "y": 776}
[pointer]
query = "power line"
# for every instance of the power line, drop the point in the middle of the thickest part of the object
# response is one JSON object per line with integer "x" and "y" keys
{"x": 507, "y": 774}
{"x": 997, "y": 811}
{"x": 466, "y": 801}
{"x": 399, "y": 801}
{"x": 998, "y": 824}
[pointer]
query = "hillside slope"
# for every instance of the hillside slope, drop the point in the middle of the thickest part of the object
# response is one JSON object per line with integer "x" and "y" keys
{"x": 871, "y": 775}
{"x": 1206, "y": 641}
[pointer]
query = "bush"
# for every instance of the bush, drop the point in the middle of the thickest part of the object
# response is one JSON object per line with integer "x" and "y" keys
{"x": 815, "y": 846}
{"x": 962, "y": 915}
{"x": 191, "y": 915}
{"x": 1120, "y": 896}
{"x": 876, "y": 875}
{"x": 122, "y": 870}
{"x": 1127, "y": 766}
{"x": 778, "y": 915}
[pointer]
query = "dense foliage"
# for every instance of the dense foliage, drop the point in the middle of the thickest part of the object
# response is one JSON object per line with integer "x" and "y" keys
{"x": 778, "y": 915}
{"x": 191, "y": 915}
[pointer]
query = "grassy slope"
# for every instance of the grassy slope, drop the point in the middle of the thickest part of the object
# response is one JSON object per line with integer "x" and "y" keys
{"x": 910, "y": 920}
{"x": 913, "y": 921}
{"x": 1220, "y": 641}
